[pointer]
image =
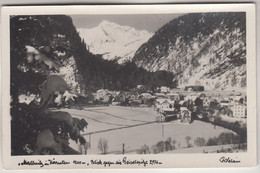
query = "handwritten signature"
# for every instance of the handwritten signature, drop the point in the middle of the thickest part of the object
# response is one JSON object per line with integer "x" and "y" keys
{"x": 228, "y": 160}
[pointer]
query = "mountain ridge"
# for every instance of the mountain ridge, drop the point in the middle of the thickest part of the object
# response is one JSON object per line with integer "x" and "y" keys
{"x": 209, "y": 48}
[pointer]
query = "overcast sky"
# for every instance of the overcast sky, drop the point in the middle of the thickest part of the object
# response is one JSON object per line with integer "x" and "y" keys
{"x": 149, "y": 22}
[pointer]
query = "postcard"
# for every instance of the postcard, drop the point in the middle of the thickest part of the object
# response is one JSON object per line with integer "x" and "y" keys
{"x": 128, "y": 86}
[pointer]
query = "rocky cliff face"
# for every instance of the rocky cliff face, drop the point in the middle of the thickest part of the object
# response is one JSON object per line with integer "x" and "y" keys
{"x": 207, "y": 49}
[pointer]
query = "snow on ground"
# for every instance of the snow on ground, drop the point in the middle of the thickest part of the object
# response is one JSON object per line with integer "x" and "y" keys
{"x": 206, "y": 149}
{"x": 104, "y": 118}
{"x": 234, "y": 119}
{"x": 26, "y": 99}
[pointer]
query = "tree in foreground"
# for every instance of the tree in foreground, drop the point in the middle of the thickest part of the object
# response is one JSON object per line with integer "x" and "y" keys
{"x": 35, "y": 129}
{"x": 143, "y": 150}
{"x": 188, "y": 138}
{"x": 199, "y": 142}
{"x": 103, "y": 145}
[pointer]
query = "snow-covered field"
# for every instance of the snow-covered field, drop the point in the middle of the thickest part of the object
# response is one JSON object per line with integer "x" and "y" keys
{"x": 207, "y": 149}
{"x": 113, "y": 118}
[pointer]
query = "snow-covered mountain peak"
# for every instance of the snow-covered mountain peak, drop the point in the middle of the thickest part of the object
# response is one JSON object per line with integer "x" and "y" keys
{"x": 114, "y": 41}
{"x": 111, "y": 25}
{"x": 104, "y": 22}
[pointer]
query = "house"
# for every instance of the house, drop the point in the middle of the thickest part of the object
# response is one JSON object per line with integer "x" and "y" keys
{"x": 173, "y": 96}
{"x": 171, "y": 103}
{"x": 160, "y": 95}
{"x": 135, "y": 102}
{"x": 163, "y": 105}
{"x": 145, "y": 96}
{"x": 181, "y": 102}
{"x": 113, "y": 93}
{"x": 105, "y": 98}
{"x": 121, "y": 97}
{"x": 165, "y": 89}
{"x": 185, "y": 115}
{"x": 101, "y": 93}
{"x": 94, "y": 96}
{"x": 206, "y": 102}
{"x": 160, "y": 118}
{"x": 224, "y": 103}
{"x": 159, "y": 101}
{"x": 176, "y": 90}
{"x": 239, "y": 110}
{"x": 237, "y": 98}
{"x": 167, "y": 104}
{"x": 115, "y": 103}
{"x": 190, "y": 97}
{"x": 132, "y": 96}
{"x": 189, "y": 89}
{"x": 133, "y": 99}
{"x": 203, "y": 95}
{"x": 194, "y": 88}
{"x": 168, "y": 110}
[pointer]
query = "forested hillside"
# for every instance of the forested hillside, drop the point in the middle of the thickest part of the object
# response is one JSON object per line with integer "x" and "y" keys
{"x": 205, "y": 48}
{"x": 65, "y": 54}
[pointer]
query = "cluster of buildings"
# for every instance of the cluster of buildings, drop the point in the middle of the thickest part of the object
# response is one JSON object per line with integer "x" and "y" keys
{"x": 237, "y": 104}
{"x": 179, "y": 103}
{"x": 121, "y": 97}
{"x": 209, "y": 103}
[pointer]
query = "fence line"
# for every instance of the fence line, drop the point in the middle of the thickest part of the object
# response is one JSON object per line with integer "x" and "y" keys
{"x": 84, "y": 116}
{"x": 116, "y": 116}
{"x": 102, "y": 131}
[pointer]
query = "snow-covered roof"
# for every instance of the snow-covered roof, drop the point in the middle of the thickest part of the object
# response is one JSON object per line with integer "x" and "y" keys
{"x": 102, "y": 90}
{"x": 146, "y": 94}
{"x": 159, "y": 94}
{"x": 190, "y": 97}
{"x": 171, "y": 101}
{"x": 181, "y": 102}
{"x": 184, "y": 109}
{"x": 168, "y": 109}
{"x": 172, "y": 94}
{"x": 160, "y": 100}
{"x": 237, "y": 97}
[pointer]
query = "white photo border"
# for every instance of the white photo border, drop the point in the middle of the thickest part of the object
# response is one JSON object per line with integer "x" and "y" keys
{"x": 248, "y": 158}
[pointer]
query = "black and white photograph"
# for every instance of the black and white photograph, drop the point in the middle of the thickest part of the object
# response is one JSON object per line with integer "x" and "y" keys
{"x": 130, "y": 84}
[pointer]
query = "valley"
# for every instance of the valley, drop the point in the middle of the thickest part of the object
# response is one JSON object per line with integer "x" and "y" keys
{"x": 131, "y": 91}
{"x": 135, "y": 137}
